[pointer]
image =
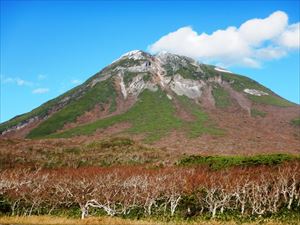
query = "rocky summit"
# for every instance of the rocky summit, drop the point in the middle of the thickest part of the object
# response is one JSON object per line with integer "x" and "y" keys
{"x": 170, "y": 101}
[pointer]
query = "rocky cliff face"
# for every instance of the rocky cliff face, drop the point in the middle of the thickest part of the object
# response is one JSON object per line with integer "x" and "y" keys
{"x": 138, "y": 71}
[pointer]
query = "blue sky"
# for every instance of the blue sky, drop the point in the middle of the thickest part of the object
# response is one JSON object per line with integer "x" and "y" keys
{"x": 49, "y": 47}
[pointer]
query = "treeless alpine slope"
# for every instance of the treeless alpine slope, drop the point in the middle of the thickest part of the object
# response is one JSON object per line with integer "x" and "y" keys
{"x": 167, "y": 101}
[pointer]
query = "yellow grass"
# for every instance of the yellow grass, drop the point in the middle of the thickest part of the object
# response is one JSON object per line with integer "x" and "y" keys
{"x": 49, "y": 220}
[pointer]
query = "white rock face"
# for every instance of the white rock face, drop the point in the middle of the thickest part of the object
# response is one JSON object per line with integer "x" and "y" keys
{"x": 151, "y": 86}
{"x": 217, "y": 79}
{"x": 187, "y": 87}
{"x": 20, "y": 125}
{"x": 136, "y": 86}
{"x": 255, "y": 92}
{"x": 144, "y": 67}
{"x": 155, "y": 66}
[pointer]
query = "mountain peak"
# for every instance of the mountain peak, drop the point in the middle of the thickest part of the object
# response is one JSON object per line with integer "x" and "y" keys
{"x": 135, "y": 55}
{"x": 163, "y": 56}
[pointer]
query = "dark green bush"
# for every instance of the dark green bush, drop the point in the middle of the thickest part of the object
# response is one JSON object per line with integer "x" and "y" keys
{"x": 296, "y": 122}
{"x": 219, "y": 162}
{"x": 116, "y": 142}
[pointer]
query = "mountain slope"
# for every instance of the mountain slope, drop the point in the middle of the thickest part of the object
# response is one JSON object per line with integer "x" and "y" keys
{"x": 160, "y": 96}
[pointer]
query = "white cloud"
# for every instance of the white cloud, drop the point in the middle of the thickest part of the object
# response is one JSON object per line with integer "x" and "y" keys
{"x": 15, "y": 80}
{"x": 270, "y": 52}
{"x": 75, "y": 81}
{"x": 41, "y": 77}
{"x": 290, "y": 38}
{"x": 255, "y": 31}
{"x": 254, "y": 41}
{"x": 40, "y": 91}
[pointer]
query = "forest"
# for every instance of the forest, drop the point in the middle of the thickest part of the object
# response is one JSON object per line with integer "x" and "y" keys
{"x": 141, "y": 192}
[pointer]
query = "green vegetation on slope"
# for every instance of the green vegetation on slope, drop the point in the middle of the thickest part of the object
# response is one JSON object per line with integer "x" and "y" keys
{"x": 185, "y": 68}
{"x": 220, "y": 162}
{"x": 201, "y": 124}
{"x": 256, "y": 112}
{"x": 296, "y": 122}
{"x": 239, "y": 83}
{"x": 101, "y": 93}
{"x": 271, "y": 100}
{"x": 189, "y": 72}
{"x": 153, "y": 115}
{"x": 40, "y": 111}
{"x": 209, "y": 71}
{"x": 129, "y": 76}
{"x": 43, "y": 110}
{"x": 222, "y": 98}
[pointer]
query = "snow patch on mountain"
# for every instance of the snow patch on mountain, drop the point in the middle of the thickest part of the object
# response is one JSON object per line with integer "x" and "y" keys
{"x": 222, "y": 70}
{"x": 135, "y": 54}
{"x": 255, "y": 92}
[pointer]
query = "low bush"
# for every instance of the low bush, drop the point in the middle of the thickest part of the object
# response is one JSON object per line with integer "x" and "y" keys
{"x": 220, "y": 162}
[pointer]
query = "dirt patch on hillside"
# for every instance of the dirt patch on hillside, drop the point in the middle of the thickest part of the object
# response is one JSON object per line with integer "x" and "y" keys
{"x": 22, "y": 132}
{"x": 18, "y": 144}
{"x": 242, "y": 101}
{"x": 207, "y": 99}
{"x": 104, "y": 110}
{"x": 243, "y": 134}
{"x": 182, "y": 112}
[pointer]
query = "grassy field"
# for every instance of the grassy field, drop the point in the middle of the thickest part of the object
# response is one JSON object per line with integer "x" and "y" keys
{"x": 49, "y": 220}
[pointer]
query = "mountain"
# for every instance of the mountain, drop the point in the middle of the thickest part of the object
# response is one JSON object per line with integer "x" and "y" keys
{"x": 170, "y": 101}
